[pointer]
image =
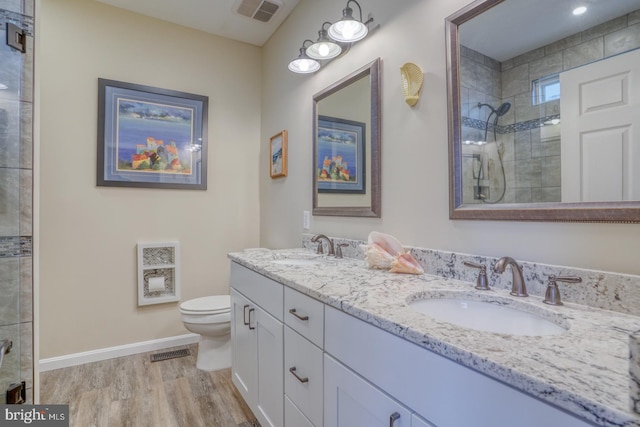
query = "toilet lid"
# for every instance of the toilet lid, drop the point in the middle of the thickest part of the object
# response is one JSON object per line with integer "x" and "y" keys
{"x": 207, "y": 305}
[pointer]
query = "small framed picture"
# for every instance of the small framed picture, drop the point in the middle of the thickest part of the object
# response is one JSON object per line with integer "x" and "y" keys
{"x": 278, "y": 155}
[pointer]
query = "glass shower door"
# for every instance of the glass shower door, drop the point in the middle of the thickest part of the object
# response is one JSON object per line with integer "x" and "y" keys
{"x": 16, "y": 182}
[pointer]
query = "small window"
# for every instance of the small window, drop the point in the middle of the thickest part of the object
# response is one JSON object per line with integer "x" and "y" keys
{"x": 545, "y": 89}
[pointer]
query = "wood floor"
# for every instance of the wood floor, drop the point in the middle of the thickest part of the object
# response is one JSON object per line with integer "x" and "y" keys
{"x": 133, "y": 391}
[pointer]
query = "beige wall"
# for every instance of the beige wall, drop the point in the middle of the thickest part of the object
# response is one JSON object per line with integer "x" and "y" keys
{"x": 414, "y": 148}
{"x": 88, "y": 234}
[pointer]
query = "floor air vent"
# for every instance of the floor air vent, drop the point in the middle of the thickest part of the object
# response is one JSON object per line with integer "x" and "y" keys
{"x": 260, "y": 10}
{"x": 170, "y": 354}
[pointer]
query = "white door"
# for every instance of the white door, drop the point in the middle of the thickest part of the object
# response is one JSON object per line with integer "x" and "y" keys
{"x": 600, "y": 113}
{"x": 243, "y": 348}
{"x": 350, "y": 401}
{"x": 269, "y": 336}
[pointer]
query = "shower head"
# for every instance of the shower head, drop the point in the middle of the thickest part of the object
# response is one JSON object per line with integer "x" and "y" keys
{"x": 500, "y": 111}
{"x": 503, "y": 109}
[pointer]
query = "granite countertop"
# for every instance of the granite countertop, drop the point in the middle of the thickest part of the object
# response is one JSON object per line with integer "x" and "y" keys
{"x": 584, "y": 370}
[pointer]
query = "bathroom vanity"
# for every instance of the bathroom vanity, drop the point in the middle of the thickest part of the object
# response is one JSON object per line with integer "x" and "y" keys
{"x": 330, "y": 342}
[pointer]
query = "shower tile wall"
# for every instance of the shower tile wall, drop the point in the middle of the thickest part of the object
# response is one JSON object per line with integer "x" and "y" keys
{"x": 531, "y": 151}
{"x": 16, "y": 183}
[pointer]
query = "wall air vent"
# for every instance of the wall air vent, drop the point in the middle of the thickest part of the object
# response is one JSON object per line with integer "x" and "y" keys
{"x": 260, "y": 10}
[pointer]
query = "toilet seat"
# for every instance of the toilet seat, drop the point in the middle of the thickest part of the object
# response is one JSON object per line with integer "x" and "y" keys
{"x": 217, "y": 304}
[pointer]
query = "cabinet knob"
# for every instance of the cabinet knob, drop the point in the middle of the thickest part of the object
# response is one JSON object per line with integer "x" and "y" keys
{"x": 302, "y": 380}
{"x": 303, "y": 318}
{"x": 393, "y": 418}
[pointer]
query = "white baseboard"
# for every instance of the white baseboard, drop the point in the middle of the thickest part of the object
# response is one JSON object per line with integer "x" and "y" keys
{"x": 113, "y": 352}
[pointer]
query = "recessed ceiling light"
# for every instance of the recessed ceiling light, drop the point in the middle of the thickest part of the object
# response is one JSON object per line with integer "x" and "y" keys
{"x": 579, "y": 10}
{"x": 3, "y": 86}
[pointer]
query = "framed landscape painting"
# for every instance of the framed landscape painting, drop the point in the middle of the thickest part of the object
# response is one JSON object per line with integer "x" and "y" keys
{"x": 151, "y": 137}
{"x": 278, "y": 155}
{"x": 341, "y": 151}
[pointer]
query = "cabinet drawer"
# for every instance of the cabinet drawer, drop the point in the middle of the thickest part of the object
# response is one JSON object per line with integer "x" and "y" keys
{"x": 265, "y": 292}
{"x": 293, "y": 417}
{"x": 304, "y": 315}
{"x": 303, "y": 380}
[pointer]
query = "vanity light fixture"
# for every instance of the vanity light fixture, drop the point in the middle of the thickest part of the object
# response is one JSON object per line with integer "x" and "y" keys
{"x": 303, "y": 64}
{"x": 324, "y": 48}
{"x": 579, "y": 10}
{"x": 348, "y": 29}
{"x": 332, "y": 42}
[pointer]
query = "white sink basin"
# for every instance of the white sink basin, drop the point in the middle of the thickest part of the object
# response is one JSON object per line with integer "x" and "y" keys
{"x": 496, "y": 314}
{"x": 297, "y": 258}
{"x": 296, "y": 261}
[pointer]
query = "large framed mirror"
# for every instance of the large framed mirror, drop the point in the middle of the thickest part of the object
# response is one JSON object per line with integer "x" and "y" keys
{"x": 346, "y": 145}
{"x": 544, "y": 111}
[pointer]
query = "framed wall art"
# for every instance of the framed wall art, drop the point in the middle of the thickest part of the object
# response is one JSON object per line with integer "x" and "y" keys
{"x": 278, "y": 155}
{"x": 151, "y": 137}
{"x": 341, "y": 150}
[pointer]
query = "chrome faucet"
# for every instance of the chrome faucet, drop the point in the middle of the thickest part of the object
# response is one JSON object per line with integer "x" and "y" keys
{"x": 318, "y": 238}
{"x": 518, "y": 287}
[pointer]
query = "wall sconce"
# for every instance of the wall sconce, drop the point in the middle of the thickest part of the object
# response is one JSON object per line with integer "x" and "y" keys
{"x": 348, "y": 29}
{"x": 412, "y": 78}
{"x": 324, "y": 48}
{"x": 303, "y": 64}
{"x": 331, "y": 43}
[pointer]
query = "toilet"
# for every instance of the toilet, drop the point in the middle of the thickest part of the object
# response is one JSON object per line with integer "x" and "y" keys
{"x": 210, "y": 317}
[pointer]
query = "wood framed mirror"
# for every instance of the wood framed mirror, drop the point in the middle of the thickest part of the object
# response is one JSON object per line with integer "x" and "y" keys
{"x": 542, "y": 125}
{"x": 346, "y": 145}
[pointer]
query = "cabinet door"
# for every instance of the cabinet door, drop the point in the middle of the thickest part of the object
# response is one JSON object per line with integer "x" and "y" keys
{"x": 350, "y": 401}
{"x": 270, "y": 354}
{"x": 244, "y": 367}
{"x": 416, "y": 421}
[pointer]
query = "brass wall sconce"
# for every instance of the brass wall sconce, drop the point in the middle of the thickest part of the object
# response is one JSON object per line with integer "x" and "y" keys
{"x": 412, "y": 79}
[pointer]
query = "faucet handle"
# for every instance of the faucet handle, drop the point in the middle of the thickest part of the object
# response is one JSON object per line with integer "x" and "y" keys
{"x": 552, "y": 295}
{"x": 339, "y": 247}
{"x": 482, "y": 283}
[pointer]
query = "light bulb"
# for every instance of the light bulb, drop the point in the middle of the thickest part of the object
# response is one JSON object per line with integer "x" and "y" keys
{"x": 323, "y": 50}
{"x": 304, "y": 65}
{"x": 579, "y": 10}
{"x": 349, "y": 28}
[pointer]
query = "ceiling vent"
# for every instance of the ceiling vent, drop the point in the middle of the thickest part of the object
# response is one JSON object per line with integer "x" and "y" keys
{"x": 260, "y": 10}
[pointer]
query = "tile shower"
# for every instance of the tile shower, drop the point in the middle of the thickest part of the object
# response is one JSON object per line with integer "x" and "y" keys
{"x": 530, "y": 143}
{"x": 16, "y": 184}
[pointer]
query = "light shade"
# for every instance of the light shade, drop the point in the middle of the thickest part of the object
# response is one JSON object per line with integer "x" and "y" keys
{"x": 324, "y": 48}
{"x": 348, "y": 29}
{"x": 303, "y": 64}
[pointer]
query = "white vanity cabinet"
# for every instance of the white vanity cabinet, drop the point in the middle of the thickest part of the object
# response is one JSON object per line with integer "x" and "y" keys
{"x": 300, "y": 363}
{"x": 257, "y": 339}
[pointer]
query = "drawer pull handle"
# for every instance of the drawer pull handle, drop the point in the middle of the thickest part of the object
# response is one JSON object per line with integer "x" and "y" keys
{"x": 244, "y": 315}
{"x": 251, "y": 310}
{"x": 303, "y": 318}
{"x": 293, "y": 372}
{"x": 392, "y": 419}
